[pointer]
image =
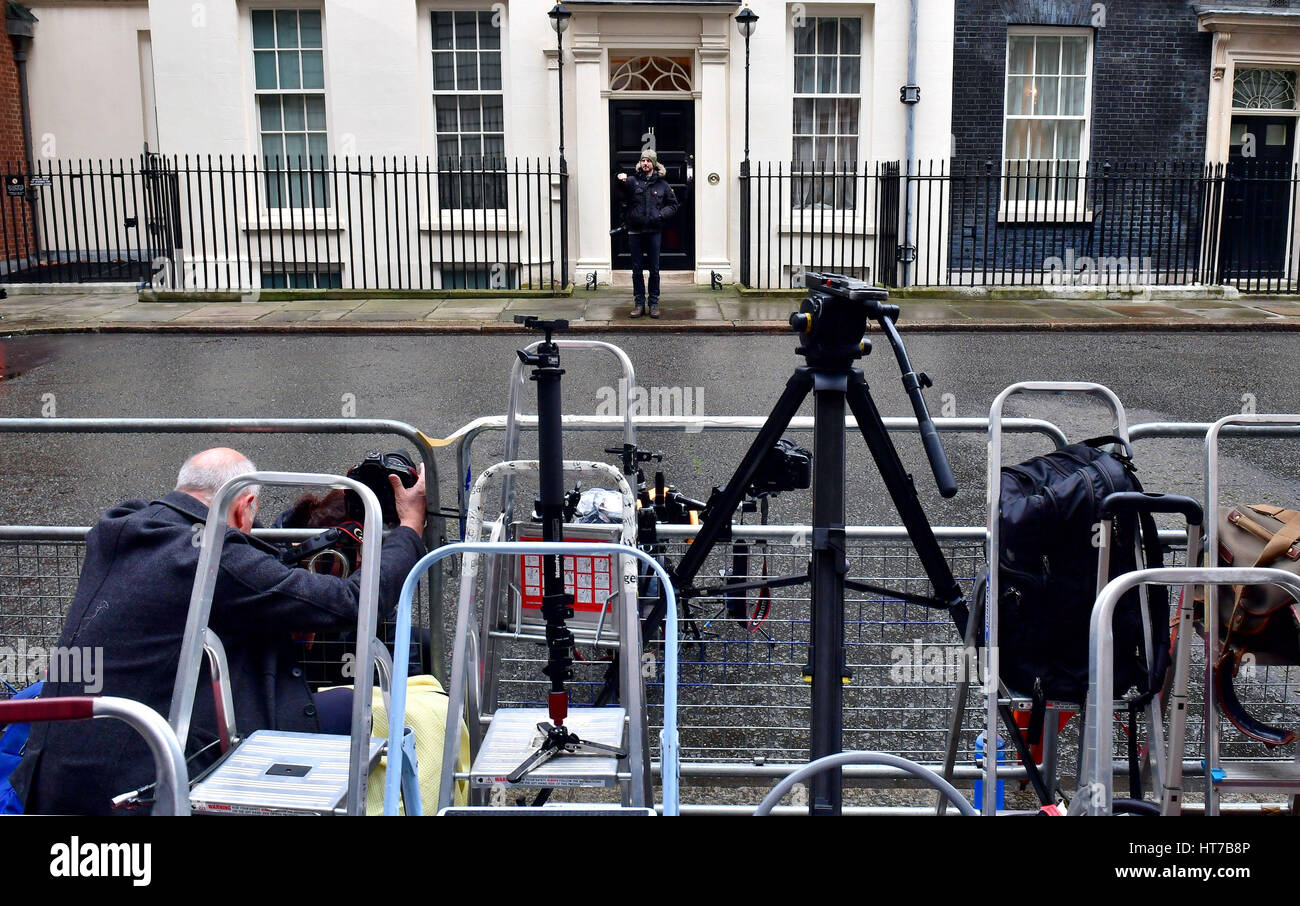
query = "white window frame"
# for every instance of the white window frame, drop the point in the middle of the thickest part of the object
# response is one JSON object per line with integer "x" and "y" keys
{"x": 854, "y": 166}
{"x": 427, "y": 12}
{"x": 270, "y": 216}
{"x": 1048, "y": 209}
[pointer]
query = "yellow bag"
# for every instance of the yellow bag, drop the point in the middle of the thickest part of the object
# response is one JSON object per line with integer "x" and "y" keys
{"x": 426, "y": 714}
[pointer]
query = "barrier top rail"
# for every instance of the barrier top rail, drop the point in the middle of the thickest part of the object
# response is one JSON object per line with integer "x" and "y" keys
{"x": 668, "y": 741}
{"x": 435, "y": 533}
{"x": 1095, "y": 780}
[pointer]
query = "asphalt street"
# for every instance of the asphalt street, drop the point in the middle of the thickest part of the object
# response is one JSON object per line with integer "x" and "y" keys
{"x": 439, "y": 383}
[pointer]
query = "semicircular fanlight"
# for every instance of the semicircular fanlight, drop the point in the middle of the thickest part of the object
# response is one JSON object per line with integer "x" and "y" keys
{"x": 650, "y": 74}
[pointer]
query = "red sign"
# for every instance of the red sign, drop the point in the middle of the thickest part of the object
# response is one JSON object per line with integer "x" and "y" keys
{"x": 590, "y": 579}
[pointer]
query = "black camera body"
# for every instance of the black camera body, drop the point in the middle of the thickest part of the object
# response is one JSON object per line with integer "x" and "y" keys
{"x": 373, "y": 472}
{"x": 786, "y": 467}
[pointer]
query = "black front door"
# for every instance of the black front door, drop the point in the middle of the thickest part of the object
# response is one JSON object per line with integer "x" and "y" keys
{"x": 668, "y": 127}
{"x": 1257, "y": 198}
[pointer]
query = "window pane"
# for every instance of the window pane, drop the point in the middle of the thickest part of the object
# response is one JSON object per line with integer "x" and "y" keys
{"x": 849, "y": 68}
{"x": 1069, "y": 143}
{"x": 471, "y": 146}
{"x": 827, "y": 36}
{"x": 1019, "y": 95}
{"x": 1045, "y": 100}
{"x": 273, "y": 150}
{"x": 269, "y": 108}
{"x": 286, "y": 27}
{"x": 489, "y": 36}
{"x": 313, "y": 69}
{"x": 803, "y": 116}
{"x": 490, "y": 71}
{"x": 850, "y": 36}
{"x": 1074, "y": 58}
{"x": 445, "y": 114}
{"x": 1042, "y": 139}
{"x": 848, "y": 116}
{"x": 848, "y": 152}
{"x": 444, "y": 72}
{"x": 1017, "y": 140}
{"x": 493, "y": 115}
{"x": 805, "y": 38}
{"x": 465, "y": 30}
{"x": 471, "y": 119}
{"x": 1047, "y": 56}
{"x": 264, "y": 67}
{"x": 824, "y": 122}
{"x": 294, "y": 121}
{"x": 803, "y": 149}
{"x": 467, "y": 71}
{"x": 826, "y": 75}
{"x": 1073, "y": 95}
{"x": 263, "y": 28}
{"x": 318, "y": 148}
{"x": 316, "y": 112}
{"x": 805, "y": 75}
{"x": 289, "y": 75}
{"x": 824, "y": 149}
{"x": 495, "y": 146}
{"x": 309, "y": 27}
{"x": 442, "y": 31}
{"x": 1020, "y": 54}
{"x": 295, "y": 149}
{"x": 448, "y": 147}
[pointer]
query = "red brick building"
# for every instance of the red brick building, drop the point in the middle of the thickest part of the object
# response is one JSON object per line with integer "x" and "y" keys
{"x": 16, "y": 239}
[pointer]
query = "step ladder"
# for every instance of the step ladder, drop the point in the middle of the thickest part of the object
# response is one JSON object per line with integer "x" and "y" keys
{"x": 278, "y": 772}
{"x": 512, "y": 734}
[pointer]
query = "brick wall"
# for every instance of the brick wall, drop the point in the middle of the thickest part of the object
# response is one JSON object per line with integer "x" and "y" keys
{"x": 15, "y": 214}
{"x": 1150, "y": 98}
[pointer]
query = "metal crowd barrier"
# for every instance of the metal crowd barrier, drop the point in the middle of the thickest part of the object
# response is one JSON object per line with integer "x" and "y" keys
{"x": 435, "y": 526}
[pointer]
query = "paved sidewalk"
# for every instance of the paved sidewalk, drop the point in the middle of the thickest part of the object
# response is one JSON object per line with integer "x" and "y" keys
{"x": 606, "y": 309}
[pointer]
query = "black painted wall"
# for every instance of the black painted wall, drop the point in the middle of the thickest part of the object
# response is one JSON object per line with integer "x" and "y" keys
{"x": 1150, "y": 95}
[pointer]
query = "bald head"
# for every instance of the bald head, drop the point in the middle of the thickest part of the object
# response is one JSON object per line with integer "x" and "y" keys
{"x": 203, "y": 473}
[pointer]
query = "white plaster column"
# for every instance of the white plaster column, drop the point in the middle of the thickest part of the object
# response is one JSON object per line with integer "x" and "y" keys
{"x": 713, "y": 155}
{"x": 589, "y": 162}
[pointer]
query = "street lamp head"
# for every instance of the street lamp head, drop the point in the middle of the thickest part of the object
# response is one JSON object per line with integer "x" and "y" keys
{"x": 559, "y": 18}
{"x": 746, "y": 20}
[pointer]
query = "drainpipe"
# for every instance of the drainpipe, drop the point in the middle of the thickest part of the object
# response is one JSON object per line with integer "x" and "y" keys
{"x": 910, "y": 95}
{"x": 21, "y": 27}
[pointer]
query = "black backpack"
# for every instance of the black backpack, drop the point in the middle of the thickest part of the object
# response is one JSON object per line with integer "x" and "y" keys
{"x": 1049, "y": 514}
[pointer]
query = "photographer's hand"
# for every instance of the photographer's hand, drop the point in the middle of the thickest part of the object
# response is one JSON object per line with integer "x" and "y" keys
{"x": 410, "y": 502}
{"x": 622, "y": 177}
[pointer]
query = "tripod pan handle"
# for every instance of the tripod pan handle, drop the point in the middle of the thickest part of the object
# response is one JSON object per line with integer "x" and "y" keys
{"x": 938, "y": 459}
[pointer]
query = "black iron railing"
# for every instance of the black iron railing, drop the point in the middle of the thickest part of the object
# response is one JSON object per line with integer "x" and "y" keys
{"x": 1025, "y": 223}
{"x": 251, "y": 223}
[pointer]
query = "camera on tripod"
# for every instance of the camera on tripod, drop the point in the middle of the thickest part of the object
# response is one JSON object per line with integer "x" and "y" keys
{"x": 786, "y": 467}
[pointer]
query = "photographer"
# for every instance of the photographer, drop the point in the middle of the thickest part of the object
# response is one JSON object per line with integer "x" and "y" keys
{"x": 132, "y": 601}
{"x": 650, "y": 203}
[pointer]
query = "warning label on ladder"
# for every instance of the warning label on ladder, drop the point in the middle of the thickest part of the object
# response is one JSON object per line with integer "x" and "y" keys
{"x": 590, "y": 579}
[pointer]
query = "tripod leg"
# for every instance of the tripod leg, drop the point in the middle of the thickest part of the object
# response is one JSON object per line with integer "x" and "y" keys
{"x": 828, "y": 569}
{"x": 903, "y": 492}
{"x": 718, "y": 518}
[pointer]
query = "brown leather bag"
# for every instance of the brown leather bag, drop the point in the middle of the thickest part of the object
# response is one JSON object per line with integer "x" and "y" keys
{"x": 1260, "y": 619}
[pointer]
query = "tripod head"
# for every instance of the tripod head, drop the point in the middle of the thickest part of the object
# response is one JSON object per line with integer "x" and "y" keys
{"x": 832, "y": 320}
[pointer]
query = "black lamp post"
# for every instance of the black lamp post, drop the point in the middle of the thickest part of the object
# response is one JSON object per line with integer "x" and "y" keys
{"x": 560, "y": 16}
{"x": 746, "y": 20}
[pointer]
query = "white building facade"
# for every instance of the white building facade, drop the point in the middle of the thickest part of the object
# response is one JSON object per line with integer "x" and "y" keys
{"x": 344, "y": 82}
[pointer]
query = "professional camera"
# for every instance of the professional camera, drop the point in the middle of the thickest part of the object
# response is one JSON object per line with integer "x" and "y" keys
{"x": 334, "y": 552}
{"x": 786, "y": 467}
{"x": 373, "y": 472}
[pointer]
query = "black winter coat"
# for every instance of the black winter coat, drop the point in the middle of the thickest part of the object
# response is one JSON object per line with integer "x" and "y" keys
{"x": 650, "y": 202}
{"x": 132, "y": 600}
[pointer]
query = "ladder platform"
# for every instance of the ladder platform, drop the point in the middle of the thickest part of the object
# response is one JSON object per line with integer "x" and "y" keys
{"x": 1259, "y": 776}
{"x": 512, "y": 737}
{"x": 280, "y": 773}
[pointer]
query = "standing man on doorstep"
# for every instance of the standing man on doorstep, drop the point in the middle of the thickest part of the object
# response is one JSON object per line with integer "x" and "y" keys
{"x": 650, "y": 203}
{"x": 132, "y": 601}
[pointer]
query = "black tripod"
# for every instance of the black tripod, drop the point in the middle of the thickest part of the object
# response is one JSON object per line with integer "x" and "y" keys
{"x": 557, "y": 604}
{"x": 831, "y": 322}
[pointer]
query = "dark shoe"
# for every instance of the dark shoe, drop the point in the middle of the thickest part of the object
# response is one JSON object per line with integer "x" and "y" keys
{"x": 654, "y": 310}
{"x": 638, "y": 310}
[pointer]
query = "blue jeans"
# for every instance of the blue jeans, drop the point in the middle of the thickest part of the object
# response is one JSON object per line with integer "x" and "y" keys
{"x": 645, "y": 252}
